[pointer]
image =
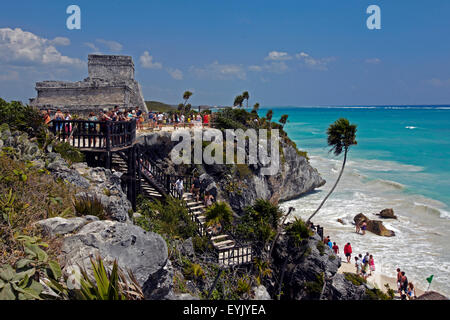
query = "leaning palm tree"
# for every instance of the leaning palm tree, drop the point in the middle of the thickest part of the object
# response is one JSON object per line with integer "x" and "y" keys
{"x": 238, "y": 100}
{"x": 255, "y": 108}
{"x": 283, "y": 120}
{"x": 246, "y": 96}
{"x": 186, "y": 96}
{"x": 341, "y": 136}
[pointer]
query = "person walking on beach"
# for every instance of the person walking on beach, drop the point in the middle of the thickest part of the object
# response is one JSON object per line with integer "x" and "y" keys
{"x": 364, "y": 227}
{"x": 358, "y": 266}
{"x": 335, "y": 248}
{"x": 371, "y": 264}
{"x": 358, "y": 227}
{"x": 411, "y": 291}
{"x": 399, "y": 280}
{"x": 404, "y": 283}
{"x": 348, "y": 251}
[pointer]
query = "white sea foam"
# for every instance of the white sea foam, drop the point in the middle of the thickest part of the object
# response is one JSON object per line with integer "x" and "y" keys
{"x": 422, "y": 228}
{"x": 411, "y": 127}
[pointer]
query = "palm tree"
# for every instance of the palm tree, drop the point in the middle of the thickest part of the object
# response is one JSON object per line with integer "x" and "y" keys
{"x": 186, "y": 96}
{"x": 269, "y": 115}
{"x": 283, "y": 120}
{"x": 238, "y": 101}
{"x": 246, "y": 96}
{"x": 341, "y": 136}
{"x": 255, "y": 108}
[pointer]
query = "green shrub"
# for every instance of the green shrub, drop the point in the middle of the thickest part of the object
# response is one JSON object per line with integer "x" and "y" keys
{"x": 194, "y": 271}
{"x": 219, "y": 213}
{"x": 376, "y": 294}
{"x": 354, "y": 278}
{"x": 69, "y": 153}
{"x": 321, "y": 247}
{"x": 314, "y": 288}
{"x": 244, "y": 285}
{"x": 22, "y": 118}
{"x": 169, "y": 218}
{"x": 89, "y": 206}
{"x": 259, "y": 222}
{"x": 298, "y": 231}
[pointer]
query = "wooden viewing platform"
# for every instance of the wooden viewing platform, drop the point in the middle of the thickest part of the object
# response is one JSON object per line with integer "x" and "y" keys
{"x": 96, "y": 136}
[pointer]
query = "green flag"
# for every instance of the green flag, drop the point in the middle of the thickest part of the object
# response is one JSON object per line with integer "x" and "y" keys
{"x": 430, "y": 278}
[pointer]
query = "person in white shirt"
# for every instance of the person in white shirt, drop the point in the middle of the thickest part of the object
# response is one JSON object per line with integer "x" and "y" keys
{"x": 179, "y": 187}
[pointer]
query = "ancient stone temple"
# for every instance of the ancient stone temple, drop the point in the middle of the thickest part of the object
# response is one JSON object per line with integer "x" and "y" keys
{"x": 110, "y": 83}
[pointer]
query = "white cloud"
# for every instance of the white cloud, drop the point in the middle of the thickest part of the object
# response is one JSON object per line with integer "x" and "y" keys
{"x": 177, "y": 74}
{"x": 94, "y": 48}
{"x": 147, "y": 61}
{"x": 22, "y": 47}
{"x": 314, "y": 63}
{"x": 373, "y": 61}
{"x": 60, "y": 41}
{"x": 278, "y": 56}
{"x": 219, "y": 71}
{"x": 272, "y": 67}
{"x": 111, "y": 45}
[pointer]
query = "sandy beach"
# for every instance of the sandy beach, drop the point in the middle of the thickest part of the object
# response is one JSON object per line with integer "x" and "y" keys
{"x": 377, "y": 279}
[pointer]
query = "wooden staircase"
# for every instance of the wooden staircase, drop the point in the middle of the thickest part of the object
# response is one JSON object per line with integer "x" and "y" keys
{"x": 147, "y": 190}
{"x": 228, "y": 251}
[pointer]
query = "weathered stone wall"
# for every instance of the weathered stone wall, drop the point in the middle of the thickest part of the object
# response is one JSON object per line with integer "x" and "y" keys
{"x": 110, "y": 67}
{"x": 110, "y": 83}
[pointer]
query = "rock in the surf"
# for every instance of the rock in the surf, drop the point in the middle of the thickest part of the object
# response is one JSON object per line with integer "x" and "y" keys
{"x": 374, "y": 226}
{"x": 387, "y": 214}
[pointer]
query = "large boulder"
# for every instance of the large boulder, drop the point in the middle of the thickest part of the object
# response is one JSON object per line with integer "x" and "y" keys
{"x": 61, "y": 226}
{"x": 342, "y": 289}
{"x": 144, "y": 253}
{"x": 374, "y": 226}
{"x": 387, "y": 214}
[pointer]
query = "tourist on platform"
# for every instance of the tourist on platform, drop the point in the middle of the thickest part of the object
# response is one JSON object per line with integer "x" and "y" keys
{"x": 371, "y": 265}
{"x": 335, "y": 248}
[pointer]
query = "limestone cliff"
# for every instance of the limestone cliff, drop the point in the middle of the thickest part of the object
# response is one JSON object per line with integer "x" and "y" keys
{"x": 241, "y": 185}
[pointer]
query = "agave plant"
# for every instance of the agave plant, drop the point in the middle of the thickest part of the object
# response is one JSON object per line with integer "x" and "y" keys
{"x": 108, "y": 285}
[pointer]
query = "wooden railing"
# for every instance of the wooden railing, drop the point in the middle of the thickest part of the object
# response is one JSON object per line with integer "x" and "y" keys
{"x": 102, "y": 135}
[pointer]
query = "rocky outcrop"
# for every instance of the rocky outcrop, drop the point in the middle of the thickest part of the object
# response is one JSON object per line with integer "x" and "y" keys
{"x": 144, "y": 253}
{"x": 342, "y": 289}
{"x": 304, "y": 269}
{"x": 309, "y": 272}
{"x": 387, "y": 214}
{"x": 58, "y": 226}
{"x": 241, "y": 185}
{"x": 374, "y": 226}
{"x": 261, "y": 293}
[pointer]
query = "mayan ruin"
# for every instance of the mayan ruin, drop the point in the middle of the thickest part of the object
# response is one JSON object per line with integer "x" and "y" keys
{"x": 110, "y": 83}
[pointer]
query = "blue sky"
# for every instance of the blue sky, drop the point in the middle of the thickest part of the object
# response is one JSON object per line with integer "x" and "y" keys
{"x": 283, "y": 52}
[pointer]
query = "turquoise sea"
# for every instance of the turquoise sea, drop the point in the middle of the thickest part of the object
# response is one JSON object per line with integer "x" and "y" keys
{"x": 402, "y": 161}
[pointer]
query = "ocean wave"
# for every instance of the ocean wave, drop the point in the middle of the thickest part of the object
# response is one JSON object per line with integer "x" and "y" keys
{"x": 411, "y": 127}
{"x": 387, "y": 183}
{"x": 427, "y": 209}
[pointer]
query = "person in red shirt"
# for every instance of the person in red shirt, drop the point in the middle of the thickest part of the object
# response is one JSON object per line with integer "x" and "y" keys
{"x": 348, "y": 251}
{"x": 335, "y": 248}
{"x": 206, "y": 120}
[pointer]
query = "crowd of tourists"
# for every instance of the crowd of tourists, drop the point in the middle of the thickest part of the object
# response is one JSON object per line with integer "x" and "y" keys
{"x": 149, "y": 119}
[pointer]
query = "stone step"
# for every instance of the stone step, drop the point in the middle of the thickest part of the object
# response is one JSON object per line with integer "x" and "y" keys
{"x": 223, "y": 244}
{"x": 197, "y": 207}
{"x": 221, "y": 236}
{"x": 196, "y": 213}
{"x": 191, "y": 204}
